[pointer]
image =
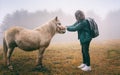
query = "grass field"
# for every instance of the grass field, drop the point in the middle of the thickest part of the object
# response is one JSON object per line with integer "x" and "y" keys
{"x": 63, "y": 59}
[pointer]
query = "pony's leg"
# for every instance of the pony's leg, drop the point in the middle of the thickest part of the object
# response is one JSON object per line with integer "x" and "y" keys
{"x": 40, "y": 57}
{"x": 5, "y": 49}
{"x": 9, "y": 53}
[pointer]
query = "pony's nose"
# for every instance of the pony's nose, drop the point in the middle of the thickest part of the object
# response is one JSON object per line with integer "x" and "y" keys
{"x": 63, "y": 31}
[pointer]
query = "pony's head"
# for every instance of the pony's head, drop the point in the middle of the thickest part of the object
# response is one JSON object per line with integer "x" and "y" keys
{"x": 59, "y": 27}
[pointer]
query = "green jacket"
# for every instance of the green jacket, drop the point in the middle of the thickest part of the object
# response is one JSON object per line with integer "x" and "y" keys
{"x": 83, "y": 29}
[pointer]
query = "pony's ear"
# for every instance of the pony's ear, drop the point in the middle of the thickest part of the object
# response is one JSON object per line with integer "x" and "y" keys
{"x": 56, "y": 18}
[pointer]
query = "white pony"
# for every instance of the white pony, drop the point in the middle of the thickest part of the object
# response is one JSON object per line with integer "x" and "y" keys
{"x": 29, "y": 40}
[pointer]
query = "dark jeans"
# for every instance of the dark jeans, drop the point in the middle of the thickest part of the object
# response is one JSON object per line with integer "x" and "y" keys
{"x": 85, "y": 53}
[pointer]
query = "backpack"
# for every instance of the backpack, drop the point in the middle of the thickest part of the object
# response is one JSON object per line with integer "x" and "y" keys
{"x": 93, "y": 27}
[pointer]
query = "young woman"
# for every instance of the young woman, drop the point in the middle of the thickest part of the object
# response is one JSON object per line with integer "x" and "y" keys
{"x": 84, "y": 35}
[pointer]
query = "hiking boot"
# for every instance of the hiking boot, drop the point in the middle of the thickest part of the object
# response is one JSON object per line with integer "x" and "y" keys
{"x": 82, "y": 65}
{"x": 86, "y": 68}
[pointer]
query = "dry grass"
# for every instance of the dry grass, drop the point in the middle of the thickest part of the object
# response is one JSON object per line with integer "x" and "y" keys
{"x": 63, "y": 59}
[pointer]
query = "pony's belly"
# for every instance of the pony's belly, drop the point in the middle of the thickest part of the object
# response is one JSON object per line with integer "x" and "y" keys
{"x": 27, "y": 46}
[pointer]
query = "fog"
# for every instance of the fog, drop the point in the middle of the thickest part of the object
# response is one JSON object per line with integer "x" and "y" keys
{"x": 108, "y": 26}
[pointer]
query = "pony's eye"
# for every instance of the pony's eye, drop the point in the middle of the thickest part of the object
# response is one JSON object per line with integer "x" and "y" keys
{"x": 59, "y": 23}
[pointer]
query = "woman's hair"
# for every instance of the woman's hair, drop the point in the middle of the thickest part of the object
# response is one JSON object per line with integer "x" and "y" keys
{"x": 80, "y": 14}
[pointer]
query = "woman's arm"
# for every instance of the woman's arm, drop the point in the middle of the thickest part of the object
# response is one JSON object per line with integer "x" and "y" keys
{"x": 73, "y": 24}
{"x": 76, "y": 27}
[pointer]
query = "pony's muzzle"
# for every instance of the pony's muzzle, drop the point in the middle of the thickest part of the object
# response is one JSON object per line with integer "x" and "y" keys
{"x": 63, "y": 31}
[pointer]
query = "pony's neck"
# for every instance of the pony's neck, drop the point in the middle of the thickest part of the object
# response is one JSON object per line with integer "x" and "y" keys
{"x": 51, "y": 29}
{"x": 48, "y": 29}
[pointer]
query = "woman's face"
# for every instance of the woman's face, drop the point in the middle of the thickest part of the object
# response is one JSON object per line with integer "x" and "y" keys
{"x": 77, "y": 17}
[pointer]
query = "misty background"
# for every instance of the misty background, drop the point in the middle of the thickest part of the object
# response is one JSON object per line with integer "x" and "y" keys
{"x": 108, "y": 27}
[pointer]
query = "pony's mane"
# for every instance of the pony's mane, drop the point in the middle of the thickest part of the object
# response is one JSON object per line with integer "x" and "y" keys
{"x": 46, "y": 24}
{"x": 47, "y": 27}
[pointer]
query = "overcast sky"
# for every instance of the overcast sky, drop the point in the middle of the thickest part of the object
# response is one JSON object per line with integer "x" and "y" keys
{"x": 100, "y": 7}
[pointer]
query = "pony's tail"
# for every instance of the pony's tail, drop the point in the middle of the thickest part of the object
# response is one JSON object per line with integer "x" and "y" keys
{"x": 5, "y": 49}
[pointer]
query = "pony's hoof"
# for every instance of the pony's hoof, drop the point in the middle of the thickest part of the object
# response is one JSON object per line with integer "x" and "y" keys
{"x": 37, "y": 68}
{"x": 10, "y": 67}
